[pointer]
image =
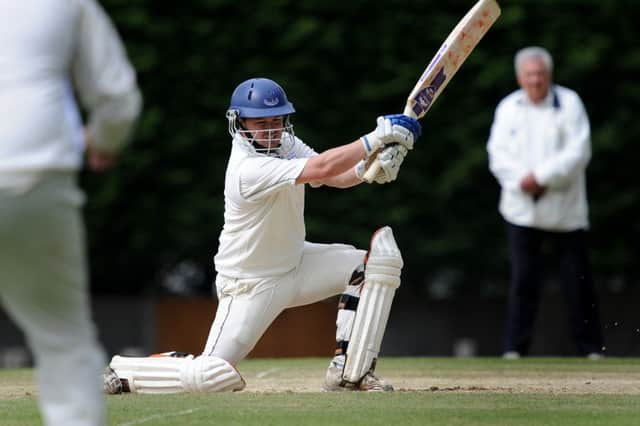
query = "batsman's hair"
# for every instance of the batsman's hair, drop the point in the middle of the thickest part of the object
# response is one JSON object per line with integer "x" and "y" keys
{"x": 533, "y": 52}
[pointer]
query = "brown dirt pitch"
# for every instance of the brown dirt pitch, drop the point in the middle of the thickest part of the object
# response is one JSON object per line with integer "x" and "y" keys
{"x": 450, "y": 375}
{"x": 535, "y": 376}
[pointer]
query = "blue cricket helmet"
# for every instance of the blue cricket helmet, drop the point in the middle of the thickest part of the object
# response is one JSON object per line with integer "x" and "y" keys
{"x": 260, "y": 97}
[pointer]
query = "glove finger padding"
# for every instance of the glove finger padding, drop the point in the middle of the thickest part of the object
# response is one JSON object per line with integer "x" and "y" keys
{"x": 412, "y": 124}
{"x": 395, "y": 128}
{"x": 403, "y": 136}
{"x": 390, "y": 160}
{"x": 407, "y": 122}
{"x": 385, "y": 125}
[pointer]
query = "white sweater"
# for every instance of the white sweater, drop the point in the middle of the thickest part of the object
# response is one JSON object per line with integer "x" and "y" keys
{"x": 552, "y": 140}
{"x": 46, "y": 48}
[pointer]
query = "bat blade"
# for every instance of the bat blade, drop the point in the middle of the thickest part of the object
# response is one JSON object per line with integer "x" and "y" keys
{"x": 450, "y": 56}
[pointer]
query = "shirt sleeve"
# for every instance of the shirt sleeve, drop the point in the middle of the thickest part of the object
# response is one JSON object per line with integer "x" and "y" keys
{"x": 575, "y": 151}
{"x": 104, "y": 78}
{"x": 297, "y": 149}
{"x": 303, "y": 150}
{"x": 263, "y": 176}
{"x": 503, "y": 160}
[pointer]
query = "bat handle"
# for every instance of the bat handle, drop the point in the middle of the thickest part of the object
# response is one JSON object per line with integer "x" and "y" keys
{"x": 372, "y": 171}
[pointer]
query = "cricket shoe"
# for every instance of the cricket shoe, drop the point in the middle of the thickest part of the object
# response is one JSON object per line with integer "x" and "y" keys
{"x": 369, "y": 383}
{"x": 111, "y": 382}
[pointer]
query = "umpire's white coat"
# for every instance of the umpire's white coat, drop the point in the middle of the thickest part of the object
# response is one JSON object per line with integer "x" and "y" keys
{"x": 552, "y": 140}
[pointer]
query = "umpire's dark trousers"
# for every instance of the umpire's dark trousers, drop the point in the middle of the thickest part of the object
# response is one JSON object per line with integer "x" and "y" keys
{"x": 570, "y": 248}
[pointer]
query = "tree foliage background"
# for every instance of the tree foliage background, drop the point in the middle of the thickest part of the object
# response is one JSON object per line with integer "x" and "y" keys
{"x": 156, "y": 218}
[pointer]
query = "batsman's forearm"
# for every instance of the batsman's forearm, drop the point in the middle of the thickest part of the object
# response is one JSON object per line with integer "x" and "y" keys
{"x": 344, "y": 180}
{"x": 332, "y": 162}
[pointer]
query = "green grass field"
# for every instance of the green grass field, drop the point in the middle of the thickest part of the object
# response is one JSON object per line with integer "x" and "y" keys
{"x": 429, "y": 391}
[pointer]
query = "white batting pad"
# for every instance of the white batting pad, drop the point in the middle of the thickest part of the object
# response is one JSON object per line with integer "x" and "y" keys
{"x": 381, "y": 279}
{"x": 163, "y": 374}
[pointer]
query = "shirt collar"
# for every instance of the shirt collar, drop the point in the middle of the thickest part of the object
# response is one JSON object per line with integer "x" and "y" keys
{"x": 551, "y": 100}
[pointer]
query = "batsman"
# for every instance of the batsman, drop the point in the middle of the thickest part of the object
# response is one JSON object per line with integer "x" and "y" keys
{"x": 263, "y": 263}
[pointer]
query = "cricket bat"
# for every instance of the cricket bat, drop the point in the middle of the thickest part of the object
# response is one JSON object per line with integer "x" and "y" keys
{"x": 453, "y": 52}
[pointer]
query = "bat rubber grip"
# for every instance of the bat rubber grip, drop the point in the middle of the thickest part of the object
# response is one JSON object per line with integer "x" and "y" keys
{"x": 372, "y": 171}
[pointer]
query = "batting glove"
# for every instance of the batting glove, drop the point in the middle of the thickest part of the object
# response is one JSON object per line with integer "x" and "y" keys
{"x": 390, "y": 158}
{"x": 395, "y": 128}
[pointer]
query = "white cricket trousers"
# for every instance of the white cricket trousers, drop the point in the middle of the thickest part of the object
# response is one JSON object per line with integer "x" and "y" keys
{"x": 44, "y": 289}
{"x": 246, "y": 307}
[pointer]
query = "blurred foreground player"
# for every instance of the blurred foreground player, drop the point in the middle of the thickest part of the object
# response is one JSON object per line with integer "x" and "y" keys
{"x": 46, "y": 46}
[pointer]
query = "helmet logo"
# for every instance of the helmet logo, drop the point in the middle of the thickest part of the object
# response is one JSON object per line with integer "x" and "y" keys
{"x": 271, "y": 99}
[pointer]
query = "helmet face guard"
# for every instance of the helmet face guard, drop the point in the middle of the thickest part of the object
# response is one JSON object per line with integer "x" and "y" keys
{"x": 260, "y": 98}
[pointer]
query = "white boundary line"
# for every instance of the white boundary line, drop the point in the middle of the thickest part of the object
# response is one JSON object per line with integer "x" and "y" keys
{"x": 159, "y": 416}
{"x": 265, "y": 373}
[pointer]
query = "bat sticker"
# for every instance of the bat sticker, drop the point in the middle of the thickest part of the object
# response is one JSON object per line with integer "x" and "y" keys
{"x": 424, "y": 97}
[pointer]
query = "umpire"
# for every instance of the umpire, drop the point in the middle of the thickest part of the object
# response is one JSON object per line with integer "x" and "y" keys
{"x": 539, "y": 148}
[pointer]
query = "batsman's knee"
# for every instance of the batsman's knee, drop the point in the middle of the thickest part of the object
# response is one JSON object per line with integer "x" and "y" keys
{"x": 210, "y": 374}
{"x": 384, "y": 261}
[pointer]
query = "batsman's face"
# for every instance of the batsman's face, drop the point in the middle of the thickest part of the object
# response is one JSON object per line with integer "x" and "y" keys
{"x": 535, "y": 79}
{"x": 266, "y": 131}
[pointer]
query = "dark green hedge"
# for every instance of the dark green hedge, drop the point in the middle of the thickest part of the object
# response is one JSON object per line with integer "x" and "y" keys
{"x": 343, "y": 63}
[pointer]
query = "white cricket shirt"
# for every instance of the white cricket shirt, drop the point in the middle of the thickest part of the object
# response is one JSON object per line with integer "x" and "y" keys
{"x": 41, "y": 55}
{"x": 264, "y": 230}
{"x": 552, "y": 140}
